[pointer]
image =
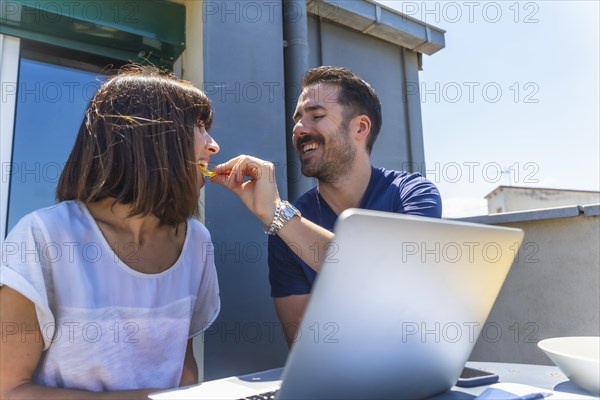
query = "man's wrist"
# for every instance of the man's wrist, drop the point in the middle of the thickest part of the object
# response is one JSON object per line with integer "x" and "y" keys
{"x": 284, "y": 211}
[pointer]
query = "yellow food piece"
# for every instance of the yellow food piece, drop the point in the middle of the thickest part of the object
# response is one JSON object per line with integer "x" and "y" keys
{"x": 205, "y": 171}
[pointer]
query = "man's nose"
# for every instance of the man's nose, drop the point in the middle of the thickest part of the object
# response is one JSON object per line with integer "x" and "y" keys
{"x": 299, "y": 129}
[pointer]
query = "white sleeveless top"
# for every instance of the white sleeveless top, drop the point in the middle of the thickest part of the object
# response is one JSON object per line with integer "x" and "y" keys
{"x": 105, "y": 326}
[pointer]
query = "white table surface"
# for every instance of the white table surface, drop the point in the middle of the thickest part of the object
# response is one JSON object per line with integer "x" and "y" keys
{"x": 539, "y": 376}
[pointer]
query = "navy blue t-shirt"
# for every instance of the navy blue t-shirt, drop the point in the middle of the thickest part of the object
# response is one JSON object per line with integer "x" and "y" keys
{"x": 392, "y": 191}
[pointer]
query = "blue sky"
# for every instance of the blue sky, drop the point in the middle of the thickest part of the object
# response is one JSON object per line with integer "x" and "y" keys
{"x": 516, "y": 88}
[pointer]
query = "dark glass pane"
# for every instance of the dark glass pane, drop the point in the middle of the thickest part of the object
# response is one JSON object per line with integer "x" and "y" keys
{"x": 51, "y": 100}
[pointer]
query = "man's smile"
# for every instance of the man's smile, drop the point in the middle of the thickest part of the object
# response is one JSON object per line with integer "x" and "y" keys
{"x": 308, "y": 147}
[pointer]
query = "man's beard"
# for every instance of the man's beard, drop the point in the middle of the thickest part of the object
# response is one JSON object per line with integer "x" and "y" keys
{"x": 337, "y": 159}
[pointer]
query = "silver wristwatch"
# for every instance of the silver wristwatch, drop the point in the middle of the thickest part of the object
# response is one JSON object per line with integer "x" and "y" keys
{"x": 283, "y": 213}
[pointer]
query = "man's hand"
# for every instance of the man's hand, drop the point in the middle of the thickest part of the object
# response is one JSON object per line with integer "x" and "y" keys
{"x": 253, "y": 180}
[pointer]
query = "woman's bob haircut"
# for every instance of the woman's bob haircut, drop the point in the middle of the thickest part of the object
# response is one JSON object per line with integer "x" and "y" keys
{"x": 136, "y": 145}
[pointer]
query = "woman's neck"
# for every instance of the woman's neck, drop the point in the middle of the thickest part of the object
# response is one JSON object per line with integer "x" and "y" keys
{"x": 141, "y": 242}
{"x": 117, "y": 217}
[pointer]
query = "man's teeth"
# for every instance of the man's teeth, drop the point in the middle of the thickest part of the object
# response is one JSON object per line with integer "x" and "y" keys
{"x": 310, "y": 146}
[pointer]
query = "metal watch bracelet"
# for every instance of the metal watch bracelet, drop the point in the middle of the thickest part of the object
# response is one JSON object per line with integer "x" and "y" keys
{"x": 284, "y": 211}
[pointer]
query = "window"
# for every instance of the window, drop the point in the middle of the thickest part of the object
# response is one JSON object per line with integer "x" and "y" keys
{"x": 51, "y": 56}
{"x": 53, "y": 90}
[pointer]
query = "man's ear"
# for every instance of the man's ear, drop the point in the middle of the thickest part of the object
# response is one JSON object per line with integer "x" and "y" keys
{"x": 361, "y": 127}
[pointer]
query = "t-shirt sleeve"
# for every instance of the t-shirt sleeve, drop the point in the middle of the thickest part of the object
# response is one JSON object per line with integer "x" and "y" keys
{"x": 25, "y": 255}
{"x": 419, "y": 196}
{"x": 208, "y": 302}
{"x": 285, "y": 272}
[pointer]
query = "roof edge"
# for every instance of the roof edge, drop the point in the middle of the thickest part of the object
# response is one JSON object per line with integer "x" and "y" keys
{"x": 528, "y": 215}
{"x": 502, "y": 187}
{"x": 378, "y": 20}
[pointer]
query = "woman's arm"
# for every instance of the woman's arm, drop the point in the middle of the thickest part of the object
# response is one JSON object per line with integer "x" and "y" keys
{"x": 189, "y": 375}
{"x": 21, "y": 347}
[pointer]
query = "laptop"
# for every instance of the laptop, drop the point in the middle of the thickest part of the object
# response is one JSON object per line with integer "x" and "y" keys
{"x": 394, "y": 313}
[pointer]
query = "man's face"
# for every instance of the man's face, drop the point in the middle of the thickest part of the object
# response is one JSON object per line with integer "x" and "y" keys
{"x": 320, "y": 134}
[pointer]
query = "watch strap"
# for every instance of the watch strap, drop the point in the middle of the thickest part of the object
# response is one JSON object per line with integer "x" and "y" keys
{"x": 284, "y": 211}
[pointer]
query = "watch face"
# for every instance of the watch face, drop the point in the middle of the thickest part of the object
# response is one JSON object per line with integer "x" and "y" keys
{"x": 290, "y": 211}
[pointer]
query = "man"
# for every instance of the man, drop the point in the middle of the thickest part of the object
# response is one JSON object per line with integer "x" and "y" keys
{"x": 337, "y": 120}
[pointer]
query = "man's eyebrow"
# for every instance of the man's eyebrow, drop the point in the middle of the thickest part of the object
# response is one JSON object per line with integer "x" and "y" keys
{"x": 316, "y": 107}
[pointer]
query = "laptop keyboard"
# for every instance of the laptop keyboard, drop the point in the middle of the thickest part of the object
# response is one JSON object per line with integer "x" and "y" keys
{"x": 262, "y": 396}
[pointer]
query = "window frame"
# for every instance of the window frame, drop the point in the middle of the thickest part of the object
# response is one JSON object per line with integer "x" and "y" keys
{"x": 10, "y": 48}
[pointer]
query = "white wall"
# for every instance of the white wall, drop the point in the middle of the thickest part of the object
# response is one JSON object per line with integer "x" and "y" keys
{"x": 519, "y": 199}
{"x": 553, "y": 289}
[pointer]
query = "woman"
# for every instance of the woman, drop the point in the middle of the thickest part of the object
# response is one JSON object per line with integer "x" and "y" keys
{"x": 102, "y": 293}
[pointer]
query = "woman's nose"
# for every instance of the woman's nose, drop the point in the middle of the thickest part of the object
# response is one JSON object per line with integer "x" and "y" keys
{"x": 212, "y": 145}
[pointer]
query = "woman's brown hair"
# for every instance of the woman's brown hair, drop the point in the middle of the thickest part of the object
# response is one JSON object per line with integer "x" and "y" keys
{"x": 136, "y": 145}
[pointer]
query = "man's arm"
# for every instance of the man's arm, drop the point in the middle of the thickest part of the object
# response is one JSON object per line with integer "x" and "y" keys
{"x": 307, "y": 239}
{"x": 419, "y": 196}
{"x": 20, "y": 353}
{"x": 290, "y": 310}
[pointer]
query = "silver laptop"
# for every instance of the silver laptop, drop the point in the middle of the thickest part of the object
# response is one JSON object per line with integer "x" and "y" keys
{"x": 394, "y": 312}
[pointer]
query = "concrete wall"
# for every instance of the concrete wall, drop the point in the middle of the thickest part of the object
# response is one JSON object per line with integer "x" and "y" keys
{"x": 518, "y": 199}
{"x": 243, "y": 76}
{"x": 400, "y": 143}
{"x": 552, "y": 289}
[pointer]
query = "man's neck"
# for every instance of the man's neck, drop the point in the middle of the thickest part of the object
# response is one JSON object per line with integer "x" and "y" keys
{"x": 348, "y": 191}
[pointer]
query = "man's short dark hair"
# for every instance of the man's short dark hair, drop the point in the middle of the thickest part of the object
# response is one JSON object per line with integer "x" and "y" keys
{"x": 136, "y": 145}
{"x": 355, "y": 94}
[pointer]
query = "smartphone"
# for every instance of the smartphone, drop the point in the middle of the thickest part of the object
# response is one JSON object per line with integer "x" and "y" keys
{"x": 471, "y": 377}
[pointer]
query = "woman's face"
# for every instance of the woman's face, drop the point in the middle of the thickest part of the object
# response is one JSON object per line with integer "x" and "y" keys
{"x": 204, "y": 147}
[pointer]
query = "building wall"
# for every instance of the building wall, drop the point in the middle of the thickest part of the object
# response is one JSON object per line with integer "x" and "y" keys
{"x": 190, "y": 66}
{"x": 243, "y": 76}
{"x": 234, "y": 50}
{"x": 552, "y": 289}
{"x": 247, "y": 336}
{"x": 518, "y": 199}
{"x": 343, "y": 46}
{"x": 399, "y": 145}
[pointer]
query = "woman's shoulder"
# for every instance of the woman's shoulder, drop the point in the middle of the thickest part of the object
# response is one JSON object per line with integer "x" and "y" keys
{"x": 57, "y": 215}
{"x": 198, "y": 230}
{"x": 64, "y": 211}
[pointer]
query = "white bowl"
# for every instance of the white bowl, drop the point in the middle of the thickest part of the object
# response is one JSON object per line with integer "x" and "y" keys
{"x": 578, "y": 358}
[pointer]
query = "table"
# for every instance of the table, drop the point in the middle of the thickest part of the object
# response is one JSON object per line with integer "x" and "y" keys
{"x": 540, "y": 376}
